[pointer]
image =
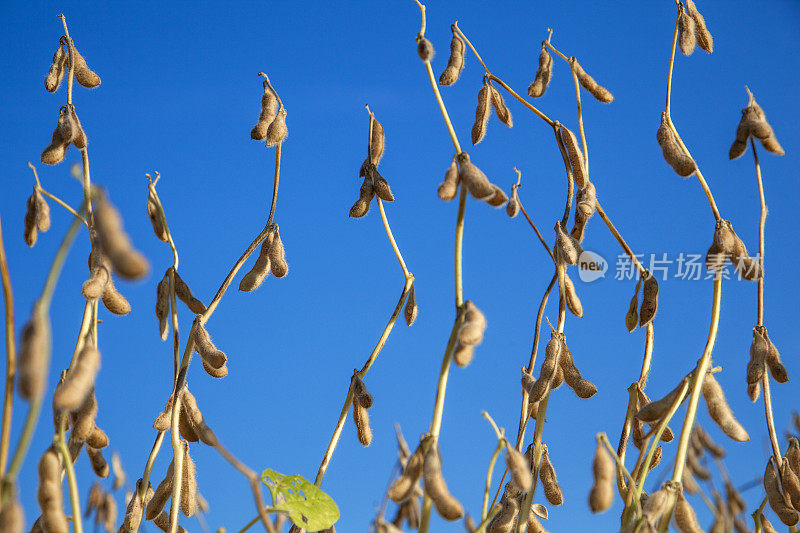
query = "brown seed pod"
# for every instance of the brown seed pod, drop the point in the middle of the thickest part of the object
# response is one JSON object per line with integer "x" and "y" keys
{"x": 83, "y": 419}
{"x": 720, "y": 411}
{"x": 704, "y": 38}
{"x": 41, "y": 211}
{"x": 277, "y": 130}
{"x": 549, "y": 368}
{"x": 547, "y": 474}
{"x": 425, "y": 49}
{"x": 503, "y": 521}
{"x": 360, "y": 393}
{"x": 471, "y": 331}
{"x": 498, "y": 199}
{"x": 793, "y": 455}
{"x": 80, "y": 140}
{"x": 773, "y": 360}
{"x": 100, "y": 274}
{"x": 162, "y": 306}
{"x": 99, "y": 464}
{"x": 70, "y": 394}
{"x": 97, "y": 438}
{"x": 708, "y": 443}
{"x": 162, "y": 493}
{"x": 681, "y": 163}
{"x": 575, "y": 154}
{"x": 543, "y": 74}
{"x": 188, "y": 484}
{"x": 766, "y": 525}
{"x": 686, "y": 34}
{"x": 49, "y": 494}
{"x": 534, "y": 526}
{"x": 696, "y": 468}
{"x": 519, "y": 468}
{"x": 572, "y": 376}
{"x": 791, "y": 484}
{"x": 185, "y": 427}
{"x": 83, "y": 74}
{"x": 602, "y": 494}
{"x": 361, "y": 419}
{"x": 455, "y": 63}
{"x": 154, "y": 213}
{"x": 567, "y": 248}
{"x": 759, "y": 350}
{"x": 411, "y": 308}
{"x": 513, "y": 206}
{"x": 500, "y": 107}
{"x": 31, "y": 230}
{"x": 109, "y": 512}
{"x": 685, "y": 517}
{"x": 654, "y": 506}
{"x": 34, "y": 349}
{"x": 777, "y": 500}
{"x": 183, "y": 292}
{"x": 649, "y": 300}
{"x": 116, "y": 244}
{"x": 56, "y": 73}
{"x": 63, "y": 135}
{"x": 210, "y": 354}
{"x": 448, "y": 507}
{"x": 632, "y": 316}
{"x": 598, "y": 91}
{"x": 449, "y": 187}
{"x": 476, "y": 181}
{"x": 723, "y": 244}
{"x": 381, "y": 186}
{"x": 463, "y": 353}
{"x": 277, "y": 256}
{"x": 162, "y": 522}
{"x": 772, "y": 145}
{"x": 195, "y": 418}
{"x": 12, "y": 517}
{"x": 218, "y": 373}
{"x": 747, "y": 267}
{"x": 261, "y": 269}
{"x": 690, "y": 485}
{"x": 404, "y": 485}
{"x": 113, "y": 300}
{"x": 655, "y": 411}
{"x": 737, "y": 149}
{"x": 482, "y": 112}
{"x": 377, "y": 142}
{"x": 269, "y": 108}
{"x": 573, "y": 302}
{"x": 587, "y": 199}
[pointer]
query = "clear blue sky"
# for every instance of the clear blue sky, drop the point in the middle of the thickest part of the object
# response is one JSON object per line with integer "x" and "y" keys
{"x": 180, "y": 94}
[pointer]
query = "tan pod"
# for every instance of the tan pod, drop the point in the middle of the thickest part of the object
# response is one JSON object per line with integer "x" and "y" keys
{"x": 476, "y": 181}
{"x": 547, "y": 474}
{"x": 448, "y": 507}
{"x": 603, "y": 469}
{"x": 482, "y": 111}
{"x": 598, "y": 91}
{"x": 455, "y": 63}
{"x": 720, "y": 411}
{"x": 543, "y": 74}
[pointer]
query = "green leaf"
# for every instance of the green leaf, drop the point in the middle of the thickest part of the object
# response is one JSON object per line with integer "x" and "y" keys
{"x": 306, "y": 504}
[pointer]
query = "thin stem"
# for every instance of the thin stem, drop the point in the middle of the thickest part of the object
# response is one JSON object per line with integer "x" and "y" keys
{"x": 603, "y": 438}
{"x": 66, "y": 459}
{"x": 554, "y": 49}
{"x": 54, "y": 197}
{"x": 622, "y": 447}
{"x": 572, "y": 61}
{"x": 422, "y": 15}
{"x": 617, "y": 235}
{"x": 706, "y": 189}
{"x": 151, "y": 459}
{"x": 87, "y": 185}
{"x": 442, "y": 108}
{"x": 70, "y": 48}
{"x": 773, "y": 436}
{"x": 389, "y": 234}
{"x": 762, "y": 220}
{"x": 691, "y": 411}
{"x": 672, "y": 60}
{"x": 477, "y": 55}
{"x": 177, "y": 462}
{"x": 648, "y": 354}
{"x": 254, "y": 480}
{"x": 11, "y": 356}
{"x": 489, "y": 472}
{"x": 538, "y": 233}
{"x": 161, "y": 213}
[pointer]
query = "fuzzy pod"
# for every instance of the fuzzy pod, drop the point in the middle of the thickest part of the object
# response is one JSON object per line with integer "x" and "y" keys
{"x": 188, "y": 484}
{"x": 576, "y": 160}
{"x": 277, "y": 256}
{"x": 772, "y": 145}
{"x": 708, "y": 443}
{"x": 773, "y": 360}
{"x": 162, "y": 306}
{"x": 218, "y": 373}
{"x": 680, "y": 161}
{"x": 97, "y": 439}
{"x": 183, "y": 292}
{"x": 513, "y": 206}
{"x": 377, "y": 142}
{"x": 161, "y": 494}
{"x": 503, "y": 521}
{"x": 572, "y": 376}
{"x": 449, "y": 187}
{"x": 39, "y": 212}
{"x": 448, "y": 507}
{"x": 566, "y": 246}
{"x": 31, "y": 230}
{"x": 49, "y": 495}
{"x": 687, "y": 40}
{"x": 210, "y": 354}
{"x": 113, "y": 300}
{"x": 723, "y": 244}
{"x": 598, "y": 91}
{"x": 655, "y": 411}
{"x": 34, "y": 347}
{"x": 632, "y": 316}
{"x": 403, "y": 486}
{"x": 573, "y": 302}
{"x": 12, "y": 517}
{"x": 463, "y": 353}
{"x": 649, "y": 300}
{"x": 587, "y": 199}
{"x": 425, "y": 49}
{"x": 195, "y": 418}
{"x": 759, "y": 350}
{"x": 777, "y": 500}
{"x": 83, "y": 419}
{"x": 277, "y": 130}
{"x": 498, "y": 199}
{"x": 455, "y": 63}
{"x": 360, "y": 393}
{"x": 79, "y": 381}
{"x": 534, "y": 526}
{"x": 698, "y": 470}
{"x": 737, "y": 149}
{"x": 685, "y": 517}
{"x": 269, "y": 108}
{"x": 519, "y": 468}
{"x": 154, "y": 213}
{"x": 476, "y": 181}
{"x": 162, "y": 522}
{"x": 793, "y": 455}
{"x": 100, "y": 274}
{"x": 603, "y": 469}
{"x": 482, "y": 111}
{"x": 543, "y": 74}
{"x": 381, "y": 186}
{"x": 63, "y": 134}
{"x": 689, "y": 483}
{"x": 99, "y": 464}
{"x": 791, "y": 484}
{"x": 471, "y": 331}
{"x": 411, "y": 309}
{"x": 80, "y": 140}
{"x": 185, "y": 428}
{"x": 704, "y": 38}
{"x": 549, "y": 368}
{"x": 654, "y": 506}
{"x": 747, "y": 267}
{"x": 363, "y": 429}
{"x": 57, "y": 69}
{"x": 116, "y": 244}
{"x": 720, "y": 411}
{"x": 83, "y": 74}
{"x": 500, "y": 107}
{"x": 262, "y": 267}
{"x": 547, "y": 474}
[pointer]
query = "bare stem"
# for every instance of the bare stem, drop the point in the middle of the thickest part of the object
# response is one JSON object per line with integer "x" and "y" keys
{"x": 617, "y": 235}
{"x": 11, "y": 356}
{"x": 489, "y": 472}
{"x": 70, "y": 48}
{"x": 60, "y": 442}
{"x": 672, "y": 60}
{"x": 535, "y": 229}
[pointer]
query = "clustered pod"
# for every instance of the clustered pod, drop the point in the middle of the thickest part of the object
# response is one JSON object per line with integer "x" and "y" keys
{"x": 595, "y": 89}
{"x": 469, "y": 335}
{"x": 575, "y": 155}
{"x": 572, "y": 376}
{"x": 447, "y": 506}
{"x": 687, "y": 39}
{"x": 548, "y": 370}
{"x": 49, "y": 495}
{"x": 727, "y": 245}
{"x": 403, "y": 487}
{"x": 157, "y": 220}
{"x": 83, "y": 74}
{"x": 720, "y": 411}
{"x": 37, "y": 217}
{"x": 190, "y": 412}
{"x": 547, "y": 474}
{"x": 100, "y": 283}
{"x": 567, "y": 248}
{"x": 455, "y": 63}
{"x": 702, "y": 35}
{"x": 477, "y": 183}
{"x": 269, "y": 109}
{"x": 680, "y": 161}
{"x": 261, "y": 269}
{"x": 214, "y": 359}
{"x": 482, "y": 112}
{"x": 115, "y": 243}
{"x": 68, "y": 131}
{"x": 72, "y": 392}
{"x": 543, "y": 74}
{"x": 754, "y": 122}
{"x": 602, "y": 494}
{"x": 763, "y": 355}
{"x": 778, "y": 501}
{"x": 57, "y": 69}
{"x": 362, "y": 400}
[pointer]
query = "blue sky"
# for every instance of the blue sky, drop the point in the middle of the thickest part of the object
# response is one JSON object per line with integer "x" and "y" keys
{"x": 180, "y": 94}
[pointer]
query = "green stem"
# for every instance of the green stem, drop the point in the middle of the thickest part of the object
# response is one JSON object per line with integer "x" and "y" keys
{"x": 74, "y": 498}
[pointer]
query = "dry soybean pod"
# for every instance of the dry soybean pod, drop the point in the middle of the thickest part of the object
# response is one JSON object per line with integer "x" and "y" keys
{"x": 476, "y": 181}
{"x": 162, "y": 306}
{"x": 791, "y": 484}
{"x": 361, "y": 419}
{"x": 80, "y": 141}
{"x": 463, "y": 354}
{"x": 500, "y": 107}
{"x": 448, "y": 507}
{"x": 449, "y": 187}
{"x": 379, "y": 183}
{"x": 277, "y": 130}
{"x": 79, "y": 381}
{"x": 99, "y": 463}
{"x": 411, "y": 309}
{"x": 116, "y": 244}
{"x": 425, "y": 52}
{"x": 499, "y": 198}
{"x": 602, "y": 494}
{"x": 759, "y": 350}
{"x": 766, "y": 525}
{"x": 360, "y": 392}
{"x": 547, "y": 474}
{"x": 56, "y": 73}
{"x": 573, "y": 302}
{"x": 188, "y": 484}
{"x": 455, "y": 63}
{"x": 195, "y": 418}
{"x": 377, "y": 142}
{"x": 777, "y": 500}
{"x": 49, "y": 495}
{"x": 63, "y": 134}
{"x": 655, "y": 411}
{"x": 649, "y": 300}
{"x": 97, "y": 438}
{"x": 31, "y": 230}
{"x": 687, "y": 40}
{"x": 261, "y": 269}
{"x": 575, "y": 157}
{"x": 100, "y": 273}
{"x": 503, "y": 521}
{"x": 12, "y": 517}
{"x": 269, "y": 108}
{"x": 512, "y": 208}
{"x": 482, "y": 111}
{"x": 83, "y": 419}
{"x": 519, "y": 468}
{"x": 681, "y": 163}
{"x": 277, "y": 256}
{"x": 685, "y": 517}
{"x": 632, "y": 316}
{"x": 365, "y": 195}
{"x": 547, "y": 372}
{"x": 404, "y": 485}
{"x": 183, "y": 292}
{"x": 572, "y": 376}
{"x": 471, "y": 331}
{"x": 113, "y": 300}
{"x": 567, "y": 247}
{"x": 162, "y": 522}
{"x": 543, "y": 74}
{"x": 83, "y": 74}
{"x": 704, "y": 38}
{"x": 161, "y": 494}
{"x": 210, "y": 354}
{"x": 587, "y": 199}
{"x": 33, "y": 349}
{"x": 154, "y": 213}
{"x": 598, "y": 91}
{"x": 720, "y": 411}
{"x": 773, "y": 360}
